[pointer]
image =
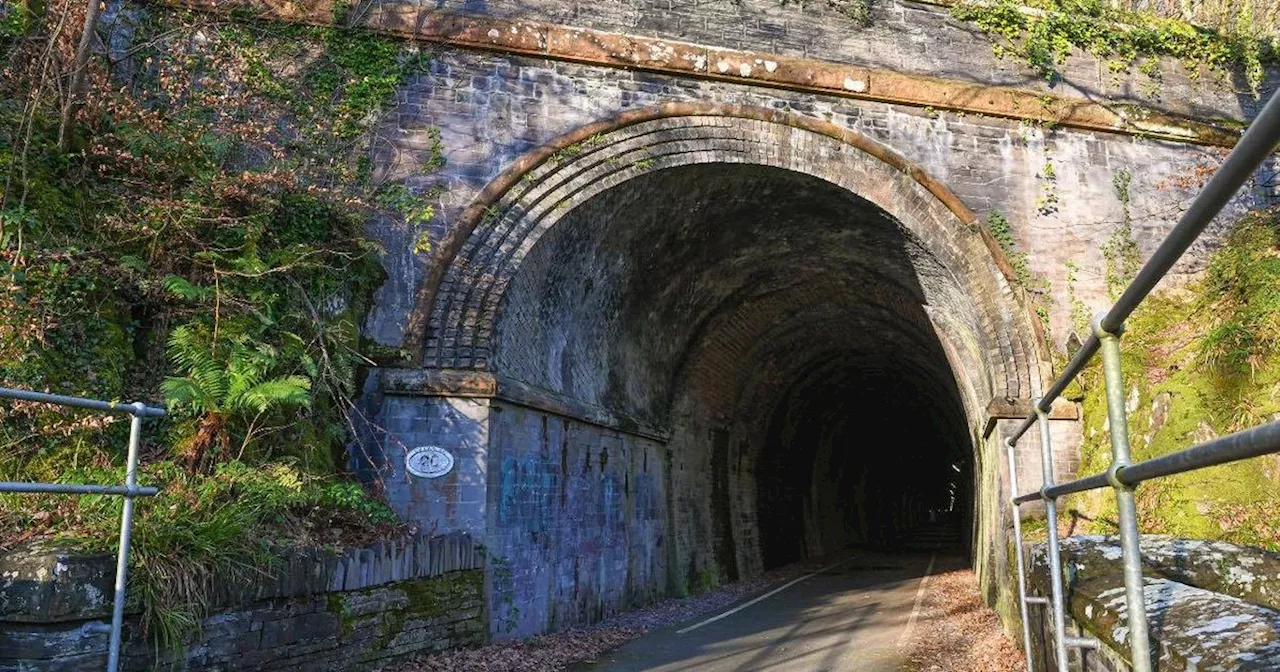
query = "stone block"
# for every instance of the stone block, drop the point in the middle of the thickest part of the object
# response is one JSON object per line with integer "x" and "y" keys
{"x": 42, "y": 583}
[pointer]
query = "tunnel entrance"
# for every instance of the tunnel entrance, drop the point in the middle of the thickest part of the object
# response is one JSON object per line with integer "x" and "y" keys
{"x": 740, "y": 269}
{"x": 754, "y": 344}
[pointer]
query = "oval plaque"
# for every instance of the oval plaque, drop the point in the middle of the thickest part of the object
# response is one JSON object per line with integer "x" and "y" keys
{"x": 429, "y": 461}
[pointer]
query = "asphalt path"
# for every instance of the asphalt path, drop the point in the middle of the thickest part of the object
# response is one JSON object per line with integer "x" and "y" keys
{"x": 854, "y": 615}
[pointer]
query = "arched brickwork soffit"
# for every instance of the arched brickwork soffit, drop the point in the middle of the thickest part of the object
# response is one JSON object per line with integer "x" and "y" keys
{"x": 474, "y": 263}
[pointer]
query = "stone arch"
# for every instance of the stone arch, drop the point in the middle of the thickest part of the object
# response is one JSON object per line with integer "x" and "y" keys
{"x": 456, "y": 310}
{"x": 712, "y": 301}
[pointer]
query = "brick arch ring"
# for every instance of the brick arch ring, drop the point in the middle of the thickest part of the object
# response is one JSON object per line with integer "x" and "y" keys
{"x": 458, "y": 304}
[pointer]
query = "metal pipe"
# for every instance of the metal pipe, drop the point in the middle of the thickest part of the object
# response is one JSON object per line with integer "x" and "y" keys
{"x": 1089, "y": 483}
{"x": 1250, "y": 151}
{"x": 1077, "y": 364}
{"x": 1054, "y": 551}
{"x": 1243, "y": 445}
{"x": 1139, "y": 641}
{"x": 126, "y": 532}
{"x": 136, "y": 408}
{"x": 1029, "y": 497}
{"x": 1017, "y": 550}
{"x": 75, "y": 489}
{"x": 1230, "y": 448}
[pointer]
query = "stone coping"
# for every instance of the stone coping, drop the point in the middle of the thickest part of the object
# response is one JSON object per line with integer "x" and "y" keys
{"x": 1210, "y": 605}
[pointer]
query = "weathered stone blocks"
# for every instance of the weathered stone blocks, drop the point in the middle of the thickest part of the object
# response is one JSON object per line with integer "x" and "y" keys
{"x": 403, "y": 597}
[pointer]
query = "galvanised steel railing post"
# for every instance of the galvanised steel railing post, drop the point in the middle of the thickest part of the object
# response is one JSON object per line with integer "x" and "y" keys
{"x": 1139, "y": 639}
{"x": 1054, "y": 550}
{"x": 126, "y": 533}
{"x": 1012, "y": 445}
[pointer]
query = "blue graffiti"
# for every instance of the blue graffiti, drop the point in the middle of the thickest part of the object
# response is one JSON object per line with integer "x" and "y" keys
{"x": 526, "y": 492}
{"x": 644, "y": 500}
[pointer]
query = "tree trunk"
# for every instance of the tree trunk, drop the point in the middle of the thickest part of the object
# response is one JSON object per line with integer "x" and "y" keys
{"x": 75, "y": 92}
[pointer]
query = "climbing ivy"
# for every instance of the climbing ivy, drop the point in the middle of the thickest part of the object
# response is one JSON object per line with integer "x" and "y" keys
{"x": 1036, "y": 286}
{"x": 1044, "y": 32}
{"x": 1120, "y": 250}
{"x": 857, "y": 11}
{"x": 1079, "y": 310}
{"x": 1047, "y": 200}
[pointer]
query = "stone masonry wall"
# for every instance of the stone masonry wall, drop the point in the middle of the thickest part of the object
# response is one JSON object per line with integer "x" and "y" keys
{"x": 455, "y": 502}
{"x": 577, "y": 521}
{"x": 1210, "y": 605}
{"x": 1056, "y": 186}
{"x": 904, "y": 36}
{"x": 356, "y": 611}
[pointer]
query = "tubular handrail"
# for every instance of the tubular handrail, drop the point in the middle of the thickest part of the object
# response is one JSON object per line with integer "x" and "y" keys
{"x": 1254, "y": 147}
{"x": 1242, "y": 445}
{"x": 128, "y": 491}
{"x": 136, "y": 408}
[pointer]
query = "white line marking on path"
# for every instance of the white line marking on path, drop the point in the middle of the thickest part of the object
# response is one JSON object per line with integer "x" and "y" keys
{"x": 915, "y": 611}
{"x": 767, "y": 595}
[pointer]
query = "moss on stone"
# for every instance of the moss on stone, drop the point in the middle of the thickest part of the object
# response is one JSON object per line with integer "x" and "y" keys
{"x": 338, "y": 606}
{"x": 434, "y": 597}
{"x": 1198, "y": 363}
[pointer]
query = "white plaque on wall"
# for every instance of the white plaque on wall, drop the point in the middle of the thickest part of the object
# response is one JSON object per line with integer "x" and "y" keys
{"x": 428, "y": 461}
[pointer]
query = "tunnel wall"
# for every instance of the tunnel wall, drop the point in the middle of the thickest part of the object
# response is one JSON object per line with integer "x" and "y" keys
{"x": 578, "y": 524}
{"x": 908, "y": 36}
{"x": 456, "y": 502}
{"x": 492, "y": 109}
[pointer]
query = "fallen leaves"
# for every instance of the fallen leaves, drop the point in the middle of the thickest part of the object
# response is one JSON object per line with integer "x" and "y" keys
{"x": 958, "y": 633}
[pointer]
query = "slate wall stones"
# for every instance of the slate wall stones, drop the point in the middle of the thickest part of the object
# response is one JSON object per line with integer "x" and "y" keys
{"x": 356, "y": 610}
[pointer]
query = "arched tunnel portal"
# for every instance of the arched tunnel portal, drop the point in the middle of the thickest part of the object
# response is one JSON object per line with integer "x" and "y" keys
{"x": 764, "y": 341}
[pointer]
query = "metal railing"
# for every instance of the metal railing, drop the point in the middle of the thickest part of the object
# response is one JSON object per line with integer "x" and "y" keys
{"x": 129, "y": 490}
{"x": 1254, "y": 147}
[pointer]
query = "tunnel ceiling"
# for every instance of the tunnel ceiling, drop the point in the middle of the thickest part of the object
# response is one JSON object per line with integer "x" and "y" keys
{"x": 634, "y": 288}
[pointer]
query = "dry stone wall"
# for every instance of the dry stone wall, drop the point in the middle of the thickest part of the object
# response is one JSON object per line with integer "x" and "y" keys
{"x": 358, "y": 610}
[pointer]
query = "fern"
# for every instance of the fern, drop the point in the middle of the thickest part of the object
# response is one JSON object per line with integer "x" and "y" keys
{"x": 227, "y": 385}
{"x": 283, "y": 392}
{"x": 186, "y": 290}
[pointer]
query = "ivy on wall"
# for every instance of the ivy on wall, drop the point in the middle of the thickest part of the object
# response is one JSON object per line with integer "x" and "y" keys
{"x": 1034, "y": 284}
{"x": 1044, "y": 33}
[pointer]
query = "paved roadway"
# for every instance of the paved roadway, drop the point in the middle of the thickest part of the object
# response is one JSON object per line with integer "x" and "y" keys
{"x": 851, "y": 617}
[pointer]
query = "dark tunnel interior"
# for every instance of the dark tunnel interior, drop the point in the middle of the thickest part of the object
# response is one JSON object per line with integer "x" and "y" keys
{"x": 784, "y": 330}
{"x": 863, "y": 455}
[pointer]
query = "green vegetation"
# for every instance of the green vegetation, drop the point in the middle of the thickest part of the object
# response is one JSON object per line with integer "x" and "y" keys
{"x": 14, "y": 17}
{"x": 708, "y": 579}
{"x": 200, "y": 245}
{"x": 857, "y": 11}
{"x": 1120, "y": 250}
{"x": 1044, "y": 32}
{"x": 1036, "y": 286}
{"x": 1204, "y": 361}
